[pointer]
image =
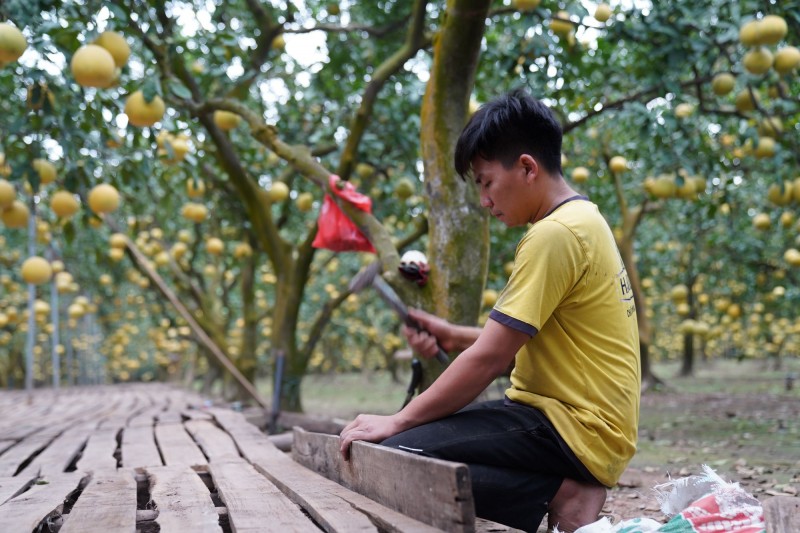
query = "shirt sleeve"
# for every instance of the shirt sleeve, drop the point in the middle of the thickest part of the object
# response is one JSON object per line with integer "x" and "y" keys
{"x": 548, "y": 265}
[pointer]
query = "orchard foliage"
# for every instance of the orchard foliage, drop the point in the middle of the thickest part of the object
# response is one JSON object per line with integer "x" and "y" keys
{"x": 318, "y": 87}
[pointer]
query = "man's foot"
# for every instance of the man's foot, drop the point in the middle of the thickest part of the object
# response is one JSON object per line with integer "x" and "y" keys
{"x": 575, "y": 505}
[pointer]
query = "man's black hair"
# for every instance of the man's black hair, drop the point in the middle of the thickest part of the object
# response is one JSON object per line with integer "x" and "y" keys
{"x": 507, "y": 127}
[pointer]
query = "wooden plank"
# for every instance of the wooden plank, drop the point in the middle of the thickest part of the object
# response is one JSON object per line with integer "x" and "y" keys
{"x": 13, "y": 458}
{"x": 321, "y": 498}
{"x": 99, "y": 451}
{"x": 196, "y": 414}
{"x": 782, "y": 514}
{"x": 487, "y": 526}
{"x": 177, "y": 447}
{"x": 215, "y": 443}
{"x": 169, "y": 417}
{"x": 254, "y": 504}
{"x": 26, "y": 511}
{"x": 108, "y": 503}
{"x": 11, "y": 486}
{"x": 60, "y": 452}
{"x": 183, "y": 500}
{"x": 139, "y": 447}
{"x": 6, "y": 444}
{"x": 433, "y": 491}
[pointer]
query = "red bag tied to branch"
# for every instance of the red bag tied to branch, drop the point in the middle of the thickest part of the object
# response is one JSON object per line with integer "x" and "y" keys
{"x": 335, "y": 231}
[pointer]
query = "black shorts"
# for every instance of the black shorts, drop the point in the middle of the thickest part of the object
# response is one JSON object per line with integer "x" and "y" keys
{"x": 517, "y": 460}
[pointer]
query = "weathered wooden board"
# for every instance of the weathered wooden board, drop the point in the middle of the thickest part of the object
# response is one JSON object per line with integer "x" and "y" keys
{"x": 139, "y": 447}
{"x": 184, "y": 503}
{"x": 26, "y": 511}
{"x": 196, "y": 414}
{"x": 782, "y": 514}
{"x": 215, "y": 443}
{"x": 177, "y": 447}
{"x": 60, "y": 452}
{"x": 99, "y": 451}
{"x": 254, "y": 504}
{"x": 11, "y": 486}
{"x": 15, "y": 456}
{"x": 108, "y": 503}
{"x": 321, "y": 498}
{"x": 431, "y": 490}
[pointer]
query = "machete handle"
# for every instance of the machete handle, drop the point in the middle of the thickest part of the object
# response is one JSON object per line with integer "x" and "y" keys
{"x": 441, "y": 356}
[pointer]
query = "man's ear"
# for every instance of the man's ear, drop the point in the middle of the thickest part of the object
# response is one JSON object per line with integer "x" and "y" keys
{"x": 530, "y": 165}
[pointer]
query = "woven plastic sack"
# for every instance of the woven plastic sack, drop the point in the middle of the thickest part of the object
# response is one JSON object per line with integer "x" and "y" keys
{"x": 696, "y": 504}
{"x": 335, "y": 231}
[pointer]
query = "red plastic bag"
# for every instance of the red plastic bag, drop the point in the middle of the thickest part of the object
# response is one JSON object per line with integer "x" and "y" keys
{"x": 335, "y": 231}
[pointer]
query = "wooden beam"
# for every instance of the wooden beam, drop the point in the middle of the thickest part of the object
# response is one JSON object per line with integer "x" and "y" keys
{"x": 432, "y": 491}
{"x": 183, "y": 500}
{"x": 782, "y": 514}
{"x": 108, "y": 503}
{"x": 333, "y": 507}
{"x": 215, "y": 443}
{"x": 254, "y": 504}
{"x": 26, "y": 511}
{"x": 177, "y": 447}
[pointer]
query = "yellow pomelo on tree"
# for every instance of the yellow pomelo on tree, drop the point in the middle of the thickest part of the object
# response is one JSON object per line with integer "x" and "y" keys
{"x": 489, "y": 297}
{"x": 103, "y": 198}
{"x": 12, "y": 43}
{"x": 786, "y": 59}
{"x": 404, "y": 189}
{"x": 526, "y": 5}
{"x": 560, "y": 24}
{"x": 195, "y": 188}
{"x": 215, "y": 246}
{"x": 242, "y": 250}
{"x": 305, "y": 201}
{"x": 278, "y": 192}
{"x": 16, "y": 215}
{"x": 580, "y": 174}
{"x": 770, "y": 127}
{"x": 45, "y": 169}
{"x": 364, "y": 170}
{"x": 279, "y": 42}
{"x": 93, "y": 66}
{"x": 684, "y": 110}
{"x": 750, "y": 33}
{"x": 723, "y": 83}
{"x": 602, "y": 12}
{"x": 8, "y": 193}
{"x": 762, "y": 221}
{"x": 116, "y": 254}
{"x": 64, "y": 204}
{"x": 787, "y": 219}
{"x": 178, "y": 250}
{"x": 792, "y": 256}
{"x": 765, "y": 147}
{"x": 225, "y": 120}
{"x": 118, "y": 240}
{"x": 36, "y": 270}
{"x": 679, "y": 293}
{"x": 116, "y": 45}
{"x": 745, "y": 101}
{"x": 194, "y": 212}
{"x": 618, "y": 164}
{"x": 780, "y": 193}
{"x": 773, "y": 29}
{"x": 758, "y": 61}
{"x": 142, "y": 113}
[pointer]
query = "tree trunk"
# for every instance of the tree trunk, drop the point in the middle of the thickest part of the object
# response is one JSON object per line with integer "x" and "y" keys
{"x": 247, "y": 361}
{"x": 458, "y": 249}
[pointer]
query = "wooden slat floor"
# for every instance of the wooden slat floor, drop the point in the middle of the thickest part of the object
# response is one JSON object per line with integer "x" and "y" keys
{"x": 151, "y": 457}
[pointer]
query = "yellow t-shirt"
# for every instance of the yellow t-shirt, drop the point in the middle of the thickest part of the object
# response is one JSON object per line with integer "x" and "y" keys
{"x": 581, "y": 368}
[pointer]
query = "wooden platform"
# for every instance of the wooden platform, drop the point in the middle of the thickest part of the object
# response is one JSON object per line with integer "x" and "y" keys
{"x": 154, "y": 458}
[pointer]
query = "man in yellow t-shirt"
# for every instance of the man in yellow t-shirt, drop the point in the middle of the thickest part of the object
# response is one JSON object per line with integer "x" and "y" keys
{"x": 568, "y": 425}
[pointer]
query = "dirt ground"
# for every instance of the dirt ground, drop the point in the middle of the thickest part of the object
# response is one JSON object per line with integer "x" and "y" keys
{"x": 752, "y": 438}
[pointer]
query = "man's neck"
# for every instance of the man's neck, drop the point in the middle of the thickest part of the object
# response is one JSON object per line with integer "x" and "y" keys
{"x": 554, "y": 194}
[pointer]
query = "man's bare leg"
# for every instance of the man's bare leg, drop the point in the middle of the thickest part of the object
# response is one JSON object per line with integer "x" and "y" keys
{"x": 575, "y": 505}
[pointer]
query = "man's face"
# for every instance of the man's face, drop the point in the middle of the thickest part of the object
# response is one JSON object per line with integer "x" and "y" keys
{"x": 505, "y": 192}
